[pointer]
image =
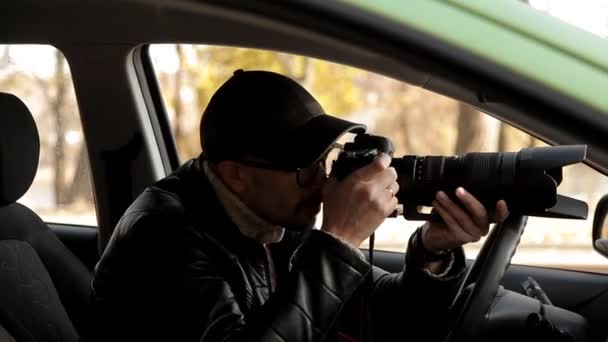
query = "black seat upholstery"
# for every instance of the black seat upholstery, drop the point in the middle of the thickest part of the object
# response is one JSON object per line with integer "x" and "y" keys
{"x": 30, "y": 308}
{"x": 19, "y": 153}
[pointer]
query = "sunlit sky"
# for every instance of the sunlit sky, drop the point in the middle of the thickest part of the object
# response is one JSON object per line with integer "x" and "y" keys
{"x": 589, "y": 15}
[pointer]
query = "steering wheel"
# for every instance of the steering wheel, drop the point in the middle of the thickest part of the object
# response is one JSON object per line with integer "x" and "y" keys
{"x": 479, "y": 287}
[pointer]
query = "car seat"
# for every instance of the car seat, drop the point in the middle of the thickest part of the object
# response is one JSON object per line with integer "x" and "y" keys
{"x": 45, "y": 288}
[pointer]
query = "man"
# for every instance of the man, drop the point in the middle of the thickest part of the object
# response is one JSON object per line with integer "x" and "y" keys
{"x": 223, "y": 250}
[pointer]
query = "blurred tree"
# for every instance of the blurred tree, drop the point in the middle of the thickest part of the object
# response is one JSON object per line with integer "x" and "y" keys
{"x": 202, "y": 69}
{"x": 502, "y": 137}
{"x": 512, "y": 139}
{"x": 470, "y": 129}
{"x": 394, "y": 100}
{"x": 57, "y": 99}
{"x": 45, "y": 87}
{"x": 176, "y": 100}
{"x": 418, "y": 122}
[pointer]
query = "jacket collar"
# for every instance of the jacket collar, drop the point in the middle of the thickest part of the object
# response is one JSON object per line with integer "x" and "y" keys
{"x": 203, "y": 207}
{"x": 248, "y": 222}
{"x": 207, "y": 213}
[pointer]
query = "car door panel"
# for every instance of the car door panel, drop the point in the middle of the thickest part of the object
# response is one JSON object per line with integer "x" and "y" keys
{"x": 582, "y": 292}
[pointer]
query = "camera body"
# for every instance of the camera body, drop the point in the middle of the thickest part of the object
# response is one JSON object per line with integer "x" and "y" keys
{"x": 359, "y": 153}
{"x": 527, "y": 180}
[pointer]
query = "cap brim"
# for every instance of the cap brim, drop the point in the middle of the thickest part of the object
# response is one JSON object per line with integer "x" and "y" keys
{"x": 310, "y": 141}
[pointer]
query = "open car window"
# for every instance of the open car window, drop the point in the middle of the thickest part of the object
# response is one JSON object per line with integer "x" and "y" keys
{"x": 39, "y": 75}
{"x": 417, "y": 121}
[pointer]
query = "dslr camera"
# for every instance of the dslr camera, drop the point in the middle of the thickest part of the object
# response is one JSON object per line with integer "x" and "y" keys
{"x": 527, "y": 180}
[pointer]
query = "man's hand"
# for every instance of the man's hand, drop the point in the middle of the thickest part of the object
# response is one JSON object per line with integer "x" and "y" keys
{"x": 460, "y": 226}
{"x": 354, "y": 207}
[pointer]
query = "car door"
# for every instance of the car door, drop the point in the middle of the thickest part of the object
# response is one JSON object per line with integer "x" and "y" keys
{"x": 523, "y": 68}
{"x": 556, "y": 253}
{"x": 577, "y": 291}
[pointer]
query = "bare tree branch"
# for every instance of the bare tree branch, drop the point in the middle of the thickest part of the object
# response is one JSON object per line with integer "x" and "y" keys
{"x": 57, "y": 105}
{"x": 469, "y": 129}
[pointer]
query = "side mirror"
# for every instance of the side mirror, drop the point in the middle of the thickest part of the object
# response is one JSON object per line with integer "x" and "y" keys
{"x": 600, "y": 227}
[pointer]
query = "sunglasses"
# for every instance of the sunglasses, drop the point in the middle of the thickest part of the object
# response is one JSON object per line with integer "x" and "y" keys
{"x": 307, "y": 175}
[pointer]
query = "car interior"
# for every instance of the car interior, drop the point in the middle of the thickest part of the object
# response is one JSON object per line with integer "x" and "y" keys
{"x": 45, "y": 286}
{"x": 46, "y": 267}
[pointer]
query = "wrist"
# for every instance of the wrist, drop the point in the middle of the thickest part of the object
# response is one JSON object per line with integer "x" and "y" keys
{"x": 428, "y": 254}
{"x": 424, "y": 239}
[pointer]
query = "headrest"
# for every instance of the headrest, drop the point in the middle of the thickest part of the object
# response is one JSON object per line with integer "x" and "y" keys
{"x": 19, "y": 148}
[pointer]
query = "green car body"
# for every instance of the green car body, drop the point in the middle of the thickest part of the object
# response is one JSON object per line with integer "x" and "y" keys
{"x": 515, "y": 36}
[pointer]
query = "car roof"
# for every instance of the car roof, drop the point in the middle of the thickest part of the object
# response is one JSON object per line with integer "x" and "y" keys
{"x": 515, "y": 35}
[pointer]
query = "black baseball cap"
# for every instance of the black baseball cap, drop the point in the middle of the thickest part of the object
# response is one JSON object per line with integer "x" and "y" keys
{"x": 268, "y": 116}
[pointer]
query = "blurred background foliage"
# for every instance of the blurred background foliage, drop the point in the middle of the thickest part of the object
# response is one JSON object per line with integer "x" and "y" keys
{"x": 189, "y": 75}
{"x": 416, "y": 120}
{"x": 39, "y": 75}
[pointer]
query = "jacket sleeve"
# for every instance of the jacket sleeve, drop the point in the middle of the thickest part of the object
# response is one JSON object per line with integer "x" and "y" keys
{"x": 324, "y": 275}
{"x": 420, "y": 299}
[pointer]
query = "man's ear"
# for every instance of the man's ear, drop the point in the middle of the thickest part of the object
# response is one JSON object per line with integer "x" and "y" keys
{"x": 231, "y": 173}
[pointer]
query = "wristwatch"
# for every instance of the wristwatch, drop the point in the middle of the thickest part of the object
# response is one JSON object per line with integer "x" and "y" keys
{"x": 426, "y": 255}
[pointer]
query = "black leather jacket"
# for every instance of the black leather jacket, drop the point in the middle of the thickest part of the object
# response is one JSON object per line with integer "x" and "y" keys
{"x": 177, "y": 269}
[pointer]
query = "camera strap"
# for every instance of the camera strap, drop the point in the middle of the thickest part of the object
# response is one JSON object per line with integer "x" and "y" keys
{"x": 371, "y": 249}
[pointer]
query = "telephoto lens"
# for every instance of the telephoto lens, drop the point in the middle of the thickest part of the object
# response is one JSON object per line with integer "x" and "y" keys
{"x": 527, "y": 180}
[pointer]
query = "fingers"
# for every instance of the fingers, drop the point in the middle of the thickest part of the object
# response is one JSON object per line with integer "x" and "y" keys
{"x": 355, "y": 207}
{"x": 452, "y": 224}
{"x": 466, "y": 223}
{"x": 391, "y": 205}
{"x": 393, "y": 188}
{"x": 502, "y": 211}
{"x": 477, "y": 211}
{"x": 469, "y": 222}
{"x": 383, "y": 178}
{"x": 387, "y": 179}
